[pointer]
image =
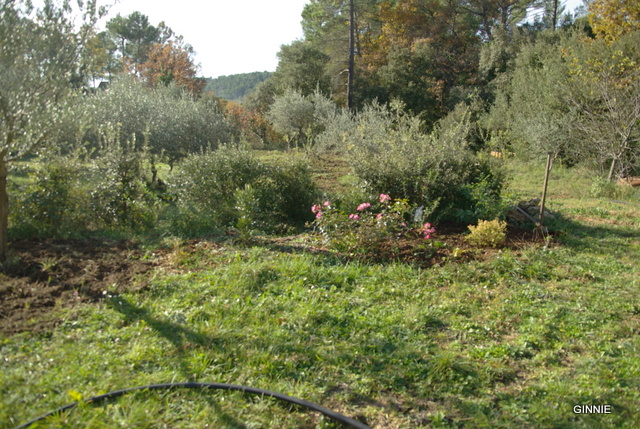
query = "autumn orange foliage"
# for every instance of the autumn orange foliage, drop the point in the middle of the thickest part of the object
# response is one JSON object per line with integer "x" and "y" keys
{"x": 252, "y": 125}
{"x": 171, "y": 62}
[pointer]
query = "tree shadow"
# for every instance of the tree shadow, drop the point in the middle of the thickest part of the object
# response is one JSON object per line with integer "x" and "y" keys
{"x": 594, "y": 238}
{"x": 181, "y": 337}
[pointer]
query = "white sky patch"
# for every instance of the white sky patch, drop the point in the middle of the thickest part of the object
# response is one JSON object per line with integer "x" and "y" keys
{"x": 229, "y": 37}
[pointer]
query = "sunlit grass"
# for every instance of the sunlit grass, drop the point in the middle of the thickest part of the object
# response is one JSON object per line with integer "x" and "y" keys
{"x": 513, "y": 341}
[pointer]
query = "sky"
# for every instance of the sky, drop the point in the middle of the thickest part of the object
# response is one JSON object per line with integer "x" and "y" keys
{"x": 229, "y": 36}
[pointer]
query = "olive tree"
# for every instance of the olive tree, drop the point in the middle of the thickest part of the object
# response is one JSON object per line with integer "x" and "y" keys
{"x": 172, "y": 120}
{"x": 604, "y": 90}
{"x": 40, "y": 55}
{"x": 530, "y": 108}
{"x": 576, "y": 98}
{"x": 301, "y": 118}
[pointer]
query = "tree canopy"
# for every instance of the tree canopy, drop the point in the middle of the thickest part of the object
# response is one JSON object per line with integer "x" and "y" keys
{"x": 41, "y": 59}
{"x": 612, "y": 19}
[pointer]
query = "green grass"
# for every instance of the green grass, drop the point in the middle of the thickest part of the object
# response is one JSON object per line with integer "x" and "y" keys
{"x": 514, "y": 341}
{"x": 331, "y": 172}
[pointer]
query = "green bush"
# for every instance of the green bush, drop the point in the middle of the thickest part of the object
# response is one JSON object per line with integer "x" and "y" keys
{"x": 205, "y": 188}
{"x": 53, "y": 203}
{"x": 390, "y": 153}
{"x": 301, "y": 119}
{"x": 120, "y": 198}
{"x": 602, "y": 187}
{"x": 370, "y": 230}
{"x": 173, "y": 122}
{"x": 285, "y": 192}
{"x": 247, "y": 205}
{"x": 479, "y": 200}
{"x": 68, "y": 195}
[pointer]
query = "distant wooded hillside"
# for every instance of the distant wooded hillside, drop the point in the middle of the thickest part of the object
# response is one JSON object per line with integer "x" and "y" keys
{"x": 236, "y": 86}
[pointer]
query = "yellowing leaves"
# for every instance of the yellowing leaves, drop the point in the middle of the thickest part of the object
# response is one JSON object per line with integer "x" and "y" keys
{"x": 611, "y": 19}
{"x": 171, "y": 62}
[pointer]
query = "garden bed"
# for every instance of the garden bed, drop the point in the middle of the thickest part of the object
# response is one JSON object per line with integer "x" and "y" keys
{"x": 47, "y": 275}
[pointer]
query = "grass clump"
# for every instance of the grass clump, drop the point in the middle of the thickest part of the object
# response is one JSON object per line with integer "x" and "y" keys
{"x": 488, "y": 233}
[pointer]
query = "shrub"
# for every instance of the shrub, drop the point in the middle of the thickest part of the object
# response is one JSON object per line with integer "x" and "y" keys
{"x": 174, "y": 122}
{"x": 204, "y": 185}
{"x": 285, "y": 191}
{"x": 247, "y": 206}
{"x": 302, "y": 118}
{"x": 482, "y": 202}
{"x": 488, "y": 233}
{"x": 363, "y": 230}
{"x": 390, "y": 153}
{"x": 120, "y": 198}
{"x": 369, "y": 230}
{"x": 54, "y": 203}
{"x": 206, "y": 189}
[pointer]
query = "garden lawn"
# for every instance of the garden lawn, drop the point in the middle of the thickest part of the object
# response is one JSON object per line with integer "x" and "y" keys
{"x": 516, "y": 340}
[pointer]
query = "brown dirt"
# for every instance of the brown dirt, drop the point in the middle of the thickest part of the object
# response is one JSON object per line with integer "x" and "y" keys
{"x": 44, "y": 275}
{"x": 450, "y": 246}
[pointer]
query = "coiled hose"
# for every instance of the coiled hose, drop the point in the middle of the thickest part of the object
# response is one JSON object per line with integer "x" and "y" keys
{"x": 221, "y": 386}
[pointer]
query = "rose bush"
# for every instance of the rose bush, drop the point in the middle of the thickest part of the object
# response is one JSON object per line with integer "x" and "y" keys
{"x": 372, "y": 231}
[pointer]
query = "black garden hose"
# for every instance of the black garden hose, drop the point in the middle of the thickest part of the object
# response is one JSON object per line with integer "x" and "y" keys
{"x": 222, "y": 386}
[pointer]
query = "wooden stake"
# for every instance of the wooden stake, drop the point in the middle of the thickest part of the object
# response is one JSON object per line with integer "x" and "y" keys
{"x": 544, "y": 188}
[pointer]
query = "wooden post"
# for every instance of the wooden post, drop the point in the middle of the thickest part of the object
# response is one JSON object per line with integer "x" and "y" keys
{"x": 544, "y": 188}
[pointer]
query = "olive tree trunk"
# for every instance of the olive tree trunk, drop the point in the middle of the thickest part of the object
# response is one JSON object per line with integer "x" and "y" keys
{"x": 4, "y": 208}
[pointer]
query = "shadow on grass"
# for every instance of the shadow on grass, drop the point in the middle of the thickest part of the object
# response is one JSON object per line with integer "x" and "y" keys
{"x": 600, "y": 238}
{"x": 181, "y": 337}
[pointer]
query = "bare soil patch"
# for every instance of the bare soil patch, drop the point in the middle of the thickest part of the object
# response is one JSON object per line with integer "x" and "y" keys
{"x": 44, "y": 275}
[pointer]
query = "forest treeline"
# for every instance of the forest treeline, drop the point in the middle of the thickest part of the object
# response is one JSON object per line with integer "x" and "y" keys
{"x": 235, "y": 87}
{"x": 413, "y": 93}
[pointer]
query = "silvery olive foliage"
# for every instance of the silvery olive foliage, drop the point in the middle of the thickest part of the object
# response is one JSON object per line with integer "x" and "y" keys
{"x": 40, "y": 70}
{"x": 302, "y": 119}
{"x": 175, "y": 122}
{"x": 390, "y": 152}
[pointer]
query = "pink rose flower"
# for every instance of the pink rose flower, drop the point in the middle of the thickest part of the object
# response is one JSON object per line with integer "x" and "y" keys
{"x": 354, "y": 216}
{"x": 384, "y": 198}
{"x": 364, "y": 206}
{"x": 427, "y": 229}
